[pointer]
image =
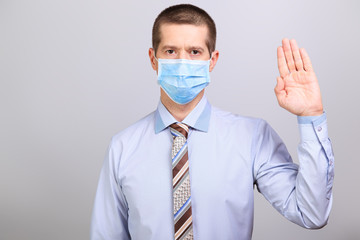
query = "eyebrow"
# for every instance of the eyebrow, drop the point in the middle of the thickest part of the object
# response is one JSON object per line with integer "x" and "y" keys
{"x": 197, "y": 48}
{"x": 174, "y": 47}
{"x": 169, "y": 46}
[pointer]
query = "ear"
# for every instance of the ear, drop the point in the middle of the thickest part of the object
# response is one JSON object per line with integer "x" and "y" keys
{"x": 153, "y": 61}
{"x": 213, "y": 60}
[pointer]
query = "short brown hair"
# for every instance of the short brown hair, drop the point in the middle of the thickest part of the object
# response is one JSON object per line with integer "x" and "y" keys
{"x": 185, "y": 14}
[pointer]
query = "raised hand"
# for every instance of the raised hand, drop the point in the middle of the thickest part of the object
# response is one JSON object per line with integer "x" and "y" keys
{"x": 297, "y": 88}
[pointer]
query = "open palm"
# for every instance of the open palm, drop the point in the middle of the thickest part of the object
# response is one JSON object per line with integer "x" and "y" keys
{"x": 297, "y": 88}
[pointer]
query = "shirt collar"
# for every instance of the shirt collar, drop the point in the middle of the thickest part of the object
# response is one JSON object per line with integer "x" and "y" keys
{"x": 198, "y": 118}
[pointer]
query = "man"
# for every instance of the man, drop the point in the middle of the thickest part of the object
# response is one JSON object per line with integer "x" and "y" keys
{"x": 194, "y": 179}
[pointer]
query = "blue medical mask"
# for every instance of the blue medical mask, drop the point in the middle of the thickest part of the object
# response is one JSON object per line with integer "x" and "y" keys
{"x": 183, "y": 79}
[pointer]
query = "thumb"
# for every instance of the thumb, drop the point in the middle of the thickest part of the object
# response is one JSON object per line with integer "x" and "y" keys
{"x": 279, "y": 88}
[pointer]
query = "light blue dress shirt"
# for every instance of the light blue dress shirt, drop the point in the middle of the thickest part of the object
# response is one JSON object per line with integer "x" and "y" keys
{"x": 228, "y": 155}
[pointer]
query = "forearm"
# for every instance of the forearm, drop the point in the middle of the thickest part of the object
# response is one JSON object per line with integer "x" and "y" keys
{"x": 316, "y": 172}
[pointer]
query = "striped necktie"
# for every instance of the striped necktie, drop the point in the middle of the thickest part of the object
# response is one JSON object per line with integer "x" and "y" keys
{"x": 181, "y": 183}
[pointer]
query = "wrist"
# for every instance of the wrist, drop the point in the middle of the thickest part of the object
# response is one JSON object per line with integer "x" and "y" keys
{"x": 317, "y": 112}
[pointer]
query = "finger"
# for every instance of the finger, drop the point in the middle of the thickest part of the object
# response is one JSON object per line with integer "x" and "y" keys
{"x": 283, "y": 69}
{"x": 296, "y": 54}
{"x": 306, "y": 60}
{"x": 288, "y": 54}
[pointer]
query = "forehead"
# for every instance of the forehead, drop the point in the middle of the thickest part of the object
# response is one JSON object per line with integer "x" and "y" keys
{"x": 183, "y": 34}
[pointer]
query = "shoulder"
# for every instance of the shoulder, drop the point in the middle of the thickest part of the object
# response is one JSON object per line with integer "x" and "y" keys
{"x": 135, "y": 131}
{"x": 126, "y": 141}
{"x": 231, "y": 120}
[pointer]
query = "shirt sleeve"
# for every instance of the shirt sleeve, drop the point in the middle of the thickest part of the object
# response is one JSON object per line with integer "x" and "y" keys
{"x": 303, "y": 194}
{"x": 110, "y": 212}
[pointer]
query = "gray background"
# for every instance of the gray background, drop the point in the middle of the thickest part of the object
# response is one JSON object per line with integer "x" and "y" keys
{"x": 73, "y": 73}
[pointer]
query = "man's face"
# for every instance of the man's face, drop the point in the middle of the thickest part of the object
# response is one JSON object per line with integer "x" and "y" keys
{"x": 183, "y": 41}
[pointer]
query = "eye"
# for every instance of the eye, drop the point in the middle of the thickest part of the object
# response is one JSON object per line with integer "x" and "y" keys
{"x": 195, "y": 52}
{"x": 170, "y": 51}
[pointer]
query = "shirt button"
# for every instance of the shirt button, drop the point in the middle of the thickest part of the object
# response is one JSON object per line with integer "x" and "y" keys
{"x": 319, "y": 129}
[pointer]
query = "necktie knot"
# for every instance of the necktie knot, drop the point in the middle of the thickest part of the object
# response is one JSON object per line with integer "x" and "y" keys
{"x": 179, "y": 129}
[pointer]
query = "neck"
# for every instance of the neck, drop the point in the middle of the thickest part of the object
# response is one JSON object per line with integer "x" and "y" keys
{"x": 179, "y": 111}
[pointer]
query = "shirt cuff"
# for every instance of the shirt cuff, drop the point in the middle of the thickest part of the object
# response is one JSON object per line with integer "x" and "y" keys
{"x": 313, "y": 127}
{"x": 311, "y": 119}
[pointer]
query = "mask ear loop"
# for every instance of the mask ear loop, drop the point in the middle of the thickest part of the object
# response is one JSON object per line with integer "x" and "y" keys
{"x": 210, "y": 59}
{"x": 156, "y": 57}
